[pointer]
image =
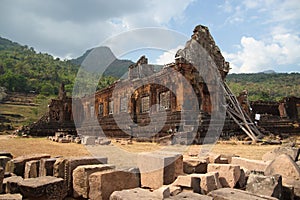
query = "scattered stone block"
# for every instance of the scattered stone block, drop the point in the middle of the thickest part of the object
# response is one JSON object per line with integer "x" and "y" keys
{"x": 1, "y": 178}
{"x": 208, "y": 182}
{"x": 81, "y": 178}
{"x": 174, "y": 190}
{"x": 158, "y": 169}
{"x": 294, "y": 186}
{"x": 194, "y": 165}
{"x": 43, "y": 188}
{"x": 190, "y": 195}
{"x": 188, "y": 181}
{"x": 291, "y": 151}
{"x": 265, "y": 185}
{"x": 103, "y": 184}
{"x": 162, "y": 192}
{"x": 214, "y": 158}
{"x": 241, "y": 184}
{"x": 11, "y": 197}
{"x": 285, "y": 166}
{"x": 7, "y": 154}
{"x": 63, "y": 168}
{"x": 88, "y": 140}
{"x": 32, "y": 169}
{"x": 64, "y": 140}
{"x": 250, "y": 165}
{"x": 3, "y": 161}
{"x": 234, "y": 194}
{"x": 134, "y": 194}
{"x": 17, "y": 165}
{"x": 46, "y": 166}
{"x": 12, "y": 184}
{"x": 228, "y": 174}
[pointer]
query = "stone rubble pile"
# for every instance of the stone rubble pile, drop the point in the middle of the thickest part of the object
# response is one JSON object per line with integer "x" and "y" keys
{"x": 157, "y": 176}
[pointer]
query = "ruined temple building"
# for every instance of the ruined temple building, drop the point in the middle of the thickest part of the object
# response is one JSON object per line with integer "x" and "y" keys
{"x": 179, "y": 98}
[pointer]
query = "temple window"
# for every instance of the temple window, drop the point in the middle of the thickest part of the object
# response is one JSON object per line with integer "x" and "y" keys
{"x": 123, "y": 104}
{"x": 111, "y": 107}
{"x": 92, "y": 111}
{"x": 145, "y": 104}
{"x": 100, "y": 109}
{"x": 164, "y": 100}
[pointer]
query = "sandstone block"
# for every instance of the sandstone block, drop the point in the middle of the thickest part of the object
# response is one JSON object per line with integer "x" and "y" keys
{"x": 250, "y": 165}
{"x": 158, "y": 169}
{"x": 291, "y": 151}
{"x": 162, "y": 192}
{"x": 12, "y": 184}
{"x": 214, "y": 158}
{"x": 63, "y": 168}
{"x": 188, "y": 181}
{"x": 134, "y": 194}
{"x": 208, "y": 182}
{"x": 234, "y": 194}
{"x": 190, "y": 195}
{"x": 228, "y": 174}
{"x": 285, "y": 166}
{"x": 43, "y": 188}
{"x": 11, "y": 197}
{"x": 32, "y": 169}
{"x": 17, "y": 165}
{"x": 3, "y": 161}
{"x": 103, "y": 184}
{"x": 265, "y": 185}
{"x": 194, "y": 165}
{"x": 81, "y": 178}
{"x": 46, "y": 166}
{"x": 295, "y": 185}
{"x": 174, "y": 190}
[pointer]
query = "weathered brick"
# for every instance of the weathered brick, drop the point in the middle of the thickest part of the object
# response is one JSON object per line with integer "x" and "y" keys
{"x": 81, "y": 178}
{"x": 158, "y": 169}
{"x": 32, "y": 169}
{"x": 43, "y": 188}
{"x": 103, "y": 184}
{"x": 228, "y": 174}
{"x": 234, "y": 194}
{"x": 17, "y": 165}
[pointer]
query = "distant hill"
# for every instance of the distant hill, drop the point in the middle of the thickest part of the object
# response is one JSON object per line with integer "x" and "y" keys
{"x": 116, "y": 69}
{"x": 265, "y": 86}
{"x": 24, "y": 70}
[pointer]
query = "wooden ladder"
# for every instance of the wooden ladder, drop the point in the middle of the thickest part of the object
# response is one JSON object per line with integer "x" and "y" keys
{"x": 238, "y": 114}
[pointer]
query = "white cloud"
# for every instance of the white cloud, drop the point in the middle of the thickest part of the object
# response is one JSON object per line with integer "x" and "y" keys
{"x": 69, "y": 27}
{"x": 168, "y": 56}
{"x": 258, "y": 55}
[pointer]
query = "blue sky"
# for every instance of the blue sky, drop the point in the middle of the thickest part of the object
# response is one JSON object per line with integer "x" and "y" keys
{"x": 253, "y": 35}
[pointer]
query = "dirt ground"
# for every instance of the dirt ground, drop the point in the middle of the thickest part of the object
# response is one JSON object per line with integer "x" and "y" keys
{"x": 122, "y": 155}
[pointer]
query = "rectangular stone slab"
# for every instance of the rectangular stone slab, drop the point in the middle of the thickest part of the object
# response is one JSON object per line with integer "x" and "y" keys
{"x": 43, "y": 188}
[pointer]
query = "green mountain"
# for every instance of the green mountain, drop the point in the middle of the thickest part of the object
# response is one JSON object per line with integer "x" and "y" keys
{"x": 265, "y": 86}
{"x": 116, "y": 69}
{"x": 24, "y": 70}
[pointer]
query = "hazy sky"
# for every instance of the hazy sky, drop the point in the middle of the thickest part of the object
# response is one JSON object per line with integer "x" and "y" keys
{"x": 253, "y": 35}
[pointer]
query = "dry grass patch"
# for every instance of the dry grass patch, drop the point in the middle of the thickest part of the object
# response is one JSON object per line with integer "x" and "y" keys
{"x": 25, "y": 146}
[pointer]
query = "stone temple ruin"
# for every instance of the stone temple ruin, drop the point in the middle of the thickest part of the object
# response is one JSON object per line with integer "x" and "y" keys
{"x": 183, "y": 95}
